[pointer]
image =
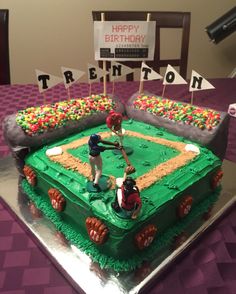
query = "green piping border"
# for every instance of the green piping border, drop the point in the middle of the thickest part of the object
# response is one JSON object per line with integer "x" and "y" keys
{"x": 164, "y": 239}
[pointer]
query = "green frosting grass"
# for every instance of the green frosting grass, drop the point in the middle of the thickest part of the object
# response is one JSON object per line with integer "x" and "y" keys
{"x": 146, "y": 156}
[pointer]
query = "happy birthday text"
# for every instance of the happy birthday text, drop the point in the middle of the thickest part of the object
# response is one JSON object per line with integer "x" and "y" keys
{"x": 124, "y": 34}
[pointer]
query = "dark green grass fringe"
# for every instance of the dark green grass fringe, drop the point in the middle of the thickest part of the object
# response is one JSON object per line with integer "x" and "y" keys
{"x": 163, "y": 240}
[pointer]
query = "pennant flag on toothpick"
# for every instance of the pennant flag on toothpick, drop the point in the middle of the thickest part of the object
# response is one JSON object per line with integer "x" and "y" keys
{"x": 198, "y": 83}
{"x": 172, "y": 77}
{"x": 95, "y": 73}
{"x": 148, "y": 74}
{"x": 118, "y": 70}
{"x": 46, "y": 80}
{"x": 71, "y": 75}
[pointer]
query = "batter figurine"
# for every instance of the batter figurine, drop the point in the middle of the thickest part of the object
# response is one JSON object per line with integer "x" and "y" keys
{"x": 94, "y": 156}
{"x": 113, "y": 122}
{"x": 128, "y": 201}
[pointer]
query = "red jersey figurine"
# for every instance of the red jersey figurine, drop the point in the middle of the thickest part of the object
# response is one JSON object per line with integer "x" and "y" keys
{"x": 128, "y": 201}
{"x": 114, "y": 121}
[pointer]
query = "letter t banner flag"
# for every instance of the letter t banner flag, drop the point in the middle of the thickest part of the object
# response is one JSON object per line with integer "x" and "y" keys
{"x": 198, "y": 83}
{"x": 148, "y": 74}
{"x": 46, "y": 80}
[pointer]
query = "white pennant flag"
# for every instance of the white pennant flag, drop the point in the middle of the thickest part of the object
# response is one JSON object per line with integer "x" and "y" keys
{"x": 46, "y": 80}
{"x": 198, "y": 83}
{"x": 118, "y": 70}
{"x": 148, "y": 74}
{"x": 95, "y": 72}
{"x": 172, "y": 77}
{"x": 71, "y": 75}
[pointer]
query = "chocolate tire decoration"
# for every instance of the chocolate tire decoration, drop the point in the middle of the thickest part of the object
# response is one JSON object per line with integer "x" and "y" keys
{"x": 145, "y": 237}
{"x": 30, "y": 175}
{"x": 216, "y": 180}
{"x": 57, "y": 200}
{"x": 97, "y": 231}
{"x": 185, "y": 206}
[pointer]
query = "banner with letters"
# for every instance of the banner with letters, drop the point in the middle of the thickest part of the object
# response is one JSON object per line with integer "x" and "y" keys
{"x": 95, "y": 73}
{"x": 71, "y": 75}
{"x": 172, "y": 77}
{"x": 198, "y": 83}
{"x": 148, "y": 74}
{"x": 46, "y": 80}
{"x": 118, "y": 70}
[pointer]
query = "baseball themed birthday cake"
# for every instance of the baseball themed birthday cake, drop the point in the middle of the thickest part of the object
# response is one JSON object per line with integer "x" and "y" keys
{"x": 121, "y": 183}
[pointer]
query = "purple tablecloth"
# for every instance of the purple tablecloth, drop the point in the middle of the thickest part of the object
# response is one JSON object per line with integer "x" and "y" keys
{"x": 209, "y": 267}
{"x": 15, "y": 97}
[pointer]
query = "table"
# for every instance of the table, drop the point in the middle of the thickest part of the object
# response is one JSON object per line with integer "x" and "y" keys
{"x": 208, "y": 267}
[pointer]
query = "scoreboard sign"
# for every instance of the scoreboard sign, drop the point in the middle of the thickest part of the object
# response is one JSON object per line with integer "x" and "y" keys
{"x": 124, "y": 40}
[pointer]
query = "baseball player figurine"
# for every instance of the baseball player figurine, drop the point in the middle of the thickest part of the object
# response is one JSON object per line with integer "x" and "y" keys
{"x": 128, "y": 202}
{"x": 113, "y": 122}
{"x": 95, "y": 158}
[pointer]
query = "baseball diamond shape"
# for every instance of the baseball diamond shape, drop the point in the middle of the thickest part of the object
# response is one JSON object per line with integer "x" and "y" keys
{"x": 72, "y": 158}
{"x": 145, "y": 156}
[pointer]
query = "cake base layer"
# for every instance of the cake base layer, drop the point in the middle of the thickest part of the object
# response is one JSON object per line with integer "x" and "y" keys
{"x": 63, "y": 255}
{"x": 165, "y": 240}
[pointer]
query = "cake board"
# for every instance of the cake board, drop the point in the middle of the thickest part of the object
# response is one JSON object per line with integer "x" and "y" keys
{"x": 69, "y": 259}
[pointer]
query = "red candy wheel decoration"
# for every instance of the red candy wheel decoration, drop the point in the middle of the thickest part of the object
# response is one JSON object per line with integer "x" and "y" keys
{"x": 216, "y": 180}
{"x": 30, "y": 175}
{"x": 97, "y": 231}
{"x": 145, "y": 237}
{"x": 57, "y": 200}
{"x": 185, "y": 206}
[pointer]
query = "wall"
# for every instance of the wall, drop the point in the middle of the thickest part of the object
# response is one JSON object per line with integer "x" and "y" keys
{"x": 46, "y": 34}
